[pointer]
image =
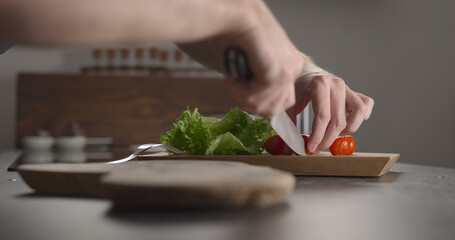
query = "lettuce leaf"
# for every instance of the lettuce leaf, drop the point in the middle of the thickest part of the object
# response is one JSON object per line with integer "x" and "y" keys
{"x": 251, "y": 131}
{"x": 226, "y": 144}
{"x": 190, "y": 134}
{"x": 237, "y": 133}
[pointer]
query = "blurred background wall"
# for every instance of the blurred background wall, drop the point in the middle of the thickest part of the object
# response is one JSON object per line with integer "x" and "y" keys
{"x": 399, "y": 52}
{"x": 15, "y": 60}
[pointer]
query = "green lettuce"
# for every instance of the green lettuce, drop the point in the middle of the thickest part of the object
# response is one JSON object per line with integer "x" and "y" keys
{"x": 238, "y": 133}
{"x": 190, "y": 134}
{"x": 226, "y": 144}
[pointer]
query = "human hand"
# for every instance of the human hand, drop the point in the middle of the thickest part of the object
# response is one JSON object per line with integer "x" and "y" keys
{"x": 331, "y": 99}
{"x": 273, "y": 59}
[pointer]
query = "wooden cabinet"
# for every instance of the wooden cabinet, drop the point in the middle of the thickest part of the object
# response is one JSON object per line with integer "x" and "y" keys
{"x": 130, "y": 109}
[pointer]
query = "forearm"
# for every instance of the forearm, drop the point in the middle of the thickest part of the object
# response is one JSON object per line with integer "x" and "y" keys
{"x": 90, "y": 22}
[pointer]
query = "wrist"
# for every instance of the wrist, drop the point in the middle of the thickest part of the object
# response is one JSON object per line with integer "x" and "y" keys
{"x": 310, "y": 68}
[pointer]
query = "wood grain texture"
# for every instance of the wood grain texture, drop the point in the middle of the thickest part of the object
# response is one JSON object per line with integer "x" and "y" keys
{"x": 324, "y": 164}
{"x": 130, "y": 109}
{"x": 168, "y": 184}
{"x": 198, "y": 184}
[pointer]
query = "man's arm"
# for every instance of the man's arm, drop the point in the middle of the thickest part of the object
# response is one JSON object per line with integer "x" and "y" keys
{"x": 246, "y": 24}
{"x": 93, "y": 22}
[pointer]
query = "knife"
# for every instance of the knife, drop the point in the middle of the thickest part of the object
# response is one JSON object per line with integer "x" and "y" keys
{"x": 236, "y": 65}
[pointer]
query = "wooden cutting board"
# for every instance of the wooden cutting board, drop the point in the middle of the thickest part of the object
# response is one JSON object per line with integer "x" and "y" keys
{"x": 67, "y": 179}
{"x": 165, "y": 184}
{"x": 323, "y": 164}
{"x": 198, "y": 184}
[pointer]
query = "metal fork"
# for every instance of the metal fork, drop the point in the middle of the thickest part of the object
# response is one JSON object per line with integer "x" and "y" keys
{"x": 144, "y": 147}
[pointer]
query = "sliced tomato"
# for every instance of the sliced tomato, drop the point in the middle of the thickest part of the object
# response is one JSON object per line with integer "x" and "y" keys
{"x": 275, "y": 145}
{"x": 344, "y": 145}
{"x": 305, "y": 139}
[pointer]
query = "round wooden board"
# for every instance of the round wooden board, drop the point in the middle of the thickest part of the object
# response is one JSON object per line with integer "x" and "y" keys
{"x": 68, "y": 179}
{"x": 164, "y": 183}
{"x": 198, "y": 184}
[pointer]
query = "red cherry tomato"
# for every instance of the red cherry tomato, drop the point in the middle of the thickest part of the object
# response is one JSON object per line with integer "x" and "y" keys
{"x": 344, "y": 145}
{"x": 275, "y": 145}
{"x": 305, "y": 139}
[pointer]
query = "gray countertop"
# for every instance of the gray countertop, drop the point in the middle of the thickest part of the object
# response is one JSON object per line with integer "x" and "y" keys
{"x": 409, "y": 202}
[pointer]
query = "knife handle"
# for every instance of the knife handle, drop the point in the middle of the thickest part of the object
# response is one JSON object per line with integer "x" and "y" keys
{"x": 236, "y": 64}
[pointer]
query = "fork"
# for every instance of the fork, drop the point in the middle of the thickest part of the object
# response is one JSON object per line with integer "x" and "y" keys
{"x": 144, "y": 147}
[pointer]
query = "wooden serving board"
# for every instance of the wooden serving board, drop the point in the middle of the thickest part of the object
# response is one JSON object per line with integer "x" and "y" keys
{"x": 70, "y": 179}
{"x": 164, "y": 184}
{"x": 198, "y": 184}
{"x": 323, "y": 164}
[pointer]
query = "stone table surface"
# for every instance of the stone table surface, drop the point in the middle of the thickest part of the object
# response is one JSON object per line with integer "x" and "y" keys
{"x": 409, "y": 202}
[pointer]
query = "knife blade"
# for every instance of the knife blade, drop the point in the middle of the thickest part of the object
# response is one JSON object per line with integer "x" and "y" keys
{"x": 236, "y": 64}
{"x": 283, "y": 125}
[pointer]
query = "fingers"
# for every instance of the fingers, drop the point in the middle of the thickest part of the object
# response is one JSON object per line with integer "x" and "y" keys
{"x": 267, "y": 103}
{"x": 279, "y": 102}
{"x": 302, "y": 98}
{"x": 272, "y": 93}
{"x": 369, "y": 102}
{"x": 331, "y": 99}
{"x": 359, "y": 108}
{"x": 319, "y": 90}
{"x": 357, "y": 111}
{"x": 337, "y": 111}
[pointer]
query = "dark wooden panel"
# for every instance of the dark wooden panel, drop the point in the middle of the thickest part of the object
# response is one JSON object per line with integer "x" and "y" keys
{"x": 129, "y": 109}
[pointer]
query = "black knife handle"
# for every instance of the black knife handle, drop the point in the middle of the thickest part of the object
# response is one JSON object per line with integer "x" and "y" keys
{"x": 236, "y": 64}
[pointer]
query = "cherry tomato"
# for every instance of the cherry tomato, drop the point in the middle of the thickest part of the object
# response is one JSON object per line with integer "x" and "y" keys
{"x": 305, "y": 139}
{"x": 275, "y": 145}
{"x": 344, "y": 145}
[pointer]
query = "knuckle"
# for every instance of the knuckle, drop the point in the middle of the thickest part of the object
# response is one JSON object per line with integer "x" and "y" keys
{"x": 320, "y": 82}
{"x": 323, "y": 117}
{"x": 369, "y": 101}
{"x": 339, "y": 83}
{"x": 251, "y": 10}
{"x": 362, "y": 109}
{"x": 340, "y": 124}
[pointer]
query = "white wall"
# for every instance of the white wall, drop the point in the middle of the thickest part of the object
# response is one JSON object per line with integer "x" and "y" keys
{"x": 16, "y": 60}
